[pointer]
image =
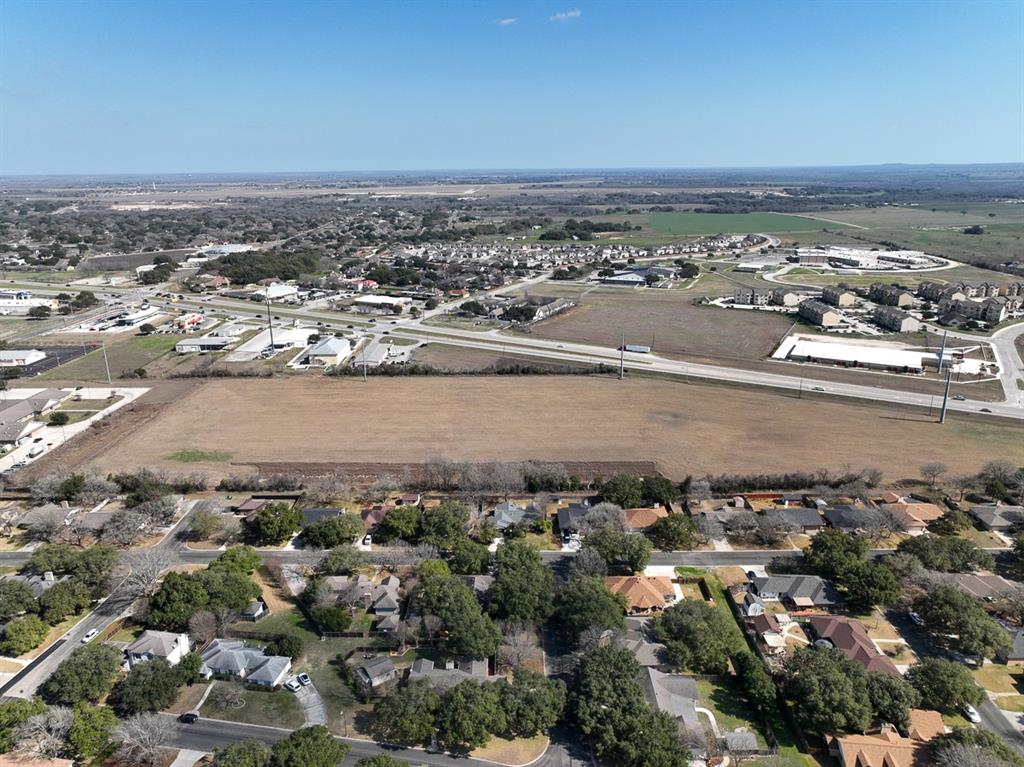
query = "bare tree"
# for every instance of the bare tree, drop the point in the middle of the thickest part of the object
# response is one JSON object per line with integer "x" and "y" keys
{"x": 46, "y": 734}
{"x": 998, "y": 471}
{"x": 127, "y": 527}
{"x": 601, "y": 517}
{"x": 328, "y": 489}
{"x": 967, "y": 755}
{"x": 202, "y": 627}
{"x": 699, "y": 490}
{"x": 932, "y": 471}
{"x": 384, "y": 484}
{"x": 441, "y": 473}
{"x": 882, "y": 523}
{"x": 519, "y": 644}
{"x": 224, "y": 617}
{"x": 507, "y": 478}
{"x": 227, "y": 695}
{"x": 95, "y": 488}
{"x": 160, "y": 511}
{"x": 588, "y": 562}
{"x": 146, "y": 567}
{"x": 962, "y": 483}
{"x": 47, "y": 525}
{"x": 143, "y": 738}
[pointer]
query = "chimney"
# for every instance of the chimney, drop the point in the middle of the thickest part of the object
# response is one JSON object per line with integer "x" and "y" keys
{"x": 48, "y": 576}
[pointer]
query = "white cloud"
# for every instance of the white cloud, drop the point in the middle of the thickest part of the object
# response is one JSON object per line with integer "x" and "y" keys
{"x": 506, "y": 22}
{"x": 575, "y": 13}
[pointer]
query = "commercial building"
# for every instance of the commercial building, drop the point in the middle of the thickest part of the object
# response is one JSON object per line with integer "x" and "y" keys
{"x": 329, "y": 352}
{"x": 17, "y": 358}
{"x": 380, "y": 304}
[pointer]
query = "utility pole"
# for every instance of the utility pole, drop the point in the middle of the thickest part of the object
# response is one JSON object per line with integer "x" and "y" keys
{"x": 945, "y": 396}
{"x": 942, "y": 351}
{"x": 106, "y": 364}
{"x": 270, "y": 325}
{"x": 622, "y": 356}
{"x": 364, "y": 364}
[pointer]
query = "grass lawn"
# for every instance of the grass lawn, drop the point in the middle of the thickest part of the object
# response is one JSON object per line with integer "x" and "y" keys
{"x": 127, "y": 354}
{"x": 197, "y": 456}
{"x": 996, "y": 677}
{"x": 542, "y": 541}
{"x": 955, "y": 720}
{"x": 518, "y": 751}
{"x": 731, "y": 223}
{"x": 276, "y": 708}
{"x": 725, "y": 700}
{"x": 1011, "y": 703}
{"x": 188, "y": 698}
{"x": 128, "y": 632}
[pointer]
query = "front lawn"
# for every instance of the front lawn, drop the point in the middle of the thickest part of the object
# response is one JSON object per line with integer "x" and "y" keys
{"x": 275, "y": 708}
{"x": 725, "y": 700}
{"x": 518, "y": 751}
{"x": 996, "y": 677}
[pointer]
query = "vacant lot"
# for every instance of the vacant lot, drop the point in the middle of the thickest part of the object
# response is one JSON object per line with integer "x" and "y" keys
{"x": 670, "y": 322}
{"x": 731, "y": 223}
{"x": 123, "y": 354}
{"x": 684, "y": 428}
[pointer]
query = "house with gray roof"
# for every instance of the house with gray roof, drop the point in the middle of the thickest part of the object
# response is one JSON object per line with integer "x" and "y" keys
{"x": 1015, "y": 655}
{"x": 675, "y": 694}
{"x": 39, "y": 584}
{"x": 569, "y": 518}
{"x": 511, "y": 514}
{"x": 798, "y": 590}
{"x": 233, "y": 657}
{"x": 797, "y": 518}
{"x": 451, "y": 672}
{"x": 375, "y": 674}
{"x": 17, "y": 416}
{"x": 998, "y": 516}
{"x": 150, "y": 645}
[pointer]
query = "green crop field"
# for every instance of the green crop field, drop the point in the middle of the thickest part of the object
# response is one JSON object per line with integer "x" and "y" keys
{"x": 731, "y": 223}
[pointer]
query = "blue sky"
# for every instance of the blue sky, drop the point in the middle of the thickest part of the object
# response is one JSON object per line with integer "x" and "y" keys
{"x": 160, "y": 87}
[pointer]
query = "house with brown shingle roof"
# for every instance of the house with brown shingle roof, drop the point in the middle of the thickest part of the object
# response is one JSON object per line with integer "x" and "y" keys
{"x": 886, "y": 747}
{"x": 644, "y": 594}
{"x": 851, "y": 639}
{"x": 915, "y": 515}
{"x": 638, "y": 520}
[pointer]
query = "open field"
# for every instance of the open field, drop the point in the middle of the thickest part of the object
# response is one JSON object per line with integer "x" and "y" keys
{"x": 926, "y": 216}
{"x": 684, "y": 428}
{"x": 668, "y": 321}
{"x": 123, "y": 354}
{"x": 907, "y": 279}
{"x": 731, "y": 223}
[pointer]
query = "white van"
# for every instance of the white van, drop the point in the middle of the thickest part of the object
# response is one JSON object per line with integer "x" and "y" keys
{"x": 36, "y": 451}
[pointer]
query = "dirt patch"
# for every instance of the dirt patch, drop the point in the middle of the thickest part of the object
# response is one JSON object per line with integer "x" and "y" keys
{"x": 681, "y": 428}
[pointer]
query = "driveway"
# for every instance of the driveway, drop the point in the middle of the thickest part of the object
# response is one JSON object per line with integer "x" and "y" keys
{"x": 312, "y": 705}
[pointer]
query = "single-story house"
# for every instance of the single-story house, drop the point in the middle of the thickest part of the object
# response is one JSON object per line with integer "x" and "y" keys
{"x": 638, "y": 520}
{"x": 409, "y": 499}
{"x": 233, "y": 657}
{"x": 375, "y": 674}
{"x": 569, "y": 518}
{"x": 768, "y": 630}
{"x": 885, "y": 747}
{"x": 381, "y": 598}
{"x": 312, "y": 516}
{"x": 452, "y": 672}
{"x": 157, "y": 644}
{"x": 917, "y": 516}
{"x": 851, "y": 638}
{"x": 846, "y": 517}
{"x": 644, "y": 594}
{"x": 1015, "y": 655}
{"x": 374, "y": 515}
{"x": 984, "y": 587}
{"x": 799, "y": 518}
{"x": 638, "y": 642}
{"x": 512, "y": 514}
{"x": 997, "y": 516}
{"x": 38, "y": 584}
{"x": 799, "y": 590}
{"x": 675, "y": 694}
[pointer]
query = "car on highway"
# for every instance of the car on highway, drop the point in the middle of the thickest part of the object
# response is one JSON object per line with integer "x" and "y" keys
{"x": 189, "y": 717}
{"x": 984, "y": 410}
{"x": 917, "y": 619}
{"x": 304, "y": 679}
{"x": 959, "y": 397}
{"x": 817, "y": 388}
{"x": 90, "y": 635}
{"x": 972, "y": 714}
{"x": 293, "y": 684}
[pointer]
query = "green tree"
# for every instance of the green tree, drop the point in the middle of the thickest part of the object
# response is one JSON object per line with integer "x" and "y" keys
{"x": 522, "y": 585}
{"x": 178, "y": 598}
{"x": 658, "y": 489}
{"x": 532, "y": 703}
{"x": 471, "y": 713}
{"x": 611, "y": 710}
{"x": 944, "y": 685}
{"x": 697, "y": 636}
{"x": 676, "y": 532}
{"x": 342, "y": 560}
{"x": 624, "y": 490}
{"x": 891, "y": 698}
{"x": 586, "y": 603}
{"x": 230, "y": 589}
{"x": 960, "y": 622}
{"x": 467, "y": 631}
{"x": 39, "y": 312}
{"x": 149, "y": 686}
{"x": 93, "y": 566}
{"x": 832, "y": 690}
{"x": 84, "y": 676}
{"x": 64, "y": 599}
{"x": 238, "y": 559}
{"x": 406, "y": 716}
{"x": 757, "y": 684}
{"x": 12, "y": 713}
{"x": 334, "y": 531}
{"x": 833, "y": 553}
{"x": 290, "y": 645}
{"x": 23, "y": 634}
{"x": 91, "y": 730}
{"x": 188, "y": 668}
{"x": 203, "y": 524}
{"x": 381, "y": 760}
{"x": 59, "y": 419}
{"x": 868, "y": 584}
{"x": 947, "y": 553}
{"x": 469, "y": 558}
{"x": 309, "y": 747}
{"x": 274, "y": 524}
{"x": 445, "y": 525}
{"x": 402, "y": 523}
{"x": 244, "y": 753}
{"x": 15, "y": 598}
{"x": 618, "y": 549}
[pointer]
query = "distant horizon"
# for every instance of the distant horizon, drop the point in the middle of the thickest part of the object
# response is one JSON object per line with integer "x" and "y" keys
{"x": 1011, "y": 164}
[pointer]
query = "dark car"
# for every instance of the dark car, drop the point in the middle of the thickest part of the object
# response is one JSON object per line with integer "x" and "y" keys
{"x": 189, "y": 717}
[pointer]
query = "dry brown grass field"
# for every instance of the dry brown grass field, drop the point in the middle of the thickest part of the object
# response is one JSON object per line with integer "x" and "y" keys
{"x": 684, "y": 428}
{"x": 670, "y": 322}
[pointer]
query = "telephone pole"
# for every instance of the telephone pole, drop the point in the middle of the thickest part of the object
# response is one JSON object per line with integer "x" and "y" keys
{"x": 106, "y": 364}
{"x": 622, "y": 356}
{"x": 945, "y": 396}
{"x": 942, "y": 351}
{"x": 270, "y": 325}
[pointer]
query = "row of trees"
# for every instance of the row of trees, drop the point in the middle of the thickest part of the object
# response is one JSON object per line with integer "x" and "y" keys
{"x": 471, "y": 712}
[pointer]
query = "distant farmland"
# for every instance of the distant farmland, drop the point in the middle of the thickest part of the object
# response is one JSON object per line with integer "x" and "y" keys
{"x": 731, "y": 223}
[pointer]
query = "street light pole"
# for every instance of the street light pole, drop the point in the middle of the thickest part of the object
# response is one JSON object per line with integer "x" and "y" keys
{"x": 270, "y": 325}
{"x": 106, "y": 363}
